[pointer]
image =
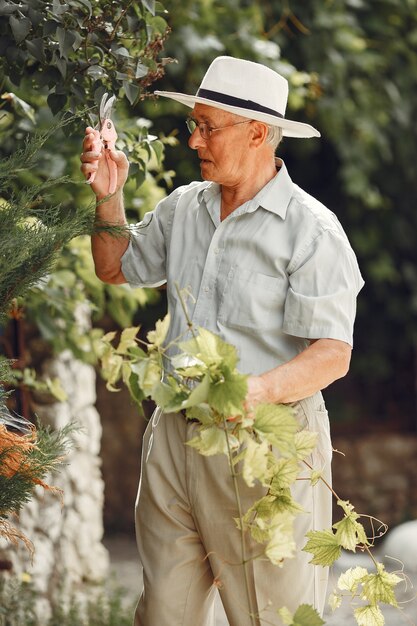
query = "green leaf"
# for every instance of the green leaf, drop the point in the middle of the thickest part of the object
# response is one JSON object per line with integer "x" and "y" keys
{"x": 324, "y": 547}
{"x": 369, "y": 616}
{"x": 349, "y": 531}
{"x": 228, "y": 394}
{"x": 36, "y": 49}
{"x": 55, "y": 387}
{"x": 199, "y": 393}
{"x": 149, "y": 372}
{"x": 285, "y": 473}
{"x": 167, "y": 397}
{"x": 210, "y": 441}
{"x": 306, "y": 615}
{"x": 379, "y": 587}
{"x": 276, "y": 424}
{"x": 149, "y": 5}
{"x": 20, "y": 27}
{"x": 157, "y": 336}
{"x": 141, "y": 70}
{"x": 56, "y": 102}
{"x": 305, "y": 442}
{"x": 202, "y": 413}
{"x": 131, "y": 91}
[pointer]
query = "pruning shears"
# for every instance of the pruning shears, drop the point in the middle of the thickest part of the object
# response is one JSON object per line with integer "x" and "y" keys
{"x": 107, "y": 140}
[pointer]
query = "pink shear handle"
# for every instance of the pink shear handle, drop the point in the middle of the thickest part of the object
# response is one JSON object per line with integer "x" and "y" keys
{"x": 109, "y": 136}
{"x": 96, "y": 146}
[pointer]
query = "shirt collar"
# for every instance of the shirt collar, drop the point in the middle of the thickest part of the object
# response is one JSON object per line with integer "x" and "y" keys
{"x": 275, "y": 196}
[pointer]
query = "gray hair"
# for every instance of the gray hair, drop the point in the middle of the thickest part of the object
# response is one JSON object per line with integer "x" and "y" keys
{"x": 274, "y": 136}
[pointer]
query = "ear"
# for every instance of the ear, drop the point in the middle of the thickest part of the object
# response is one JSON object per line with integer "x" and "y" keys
{"x": 259, "y": 133}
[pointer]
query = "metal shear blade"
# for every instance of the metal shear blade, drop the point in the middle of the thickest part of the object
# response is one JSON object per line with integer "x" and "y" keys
{"x": 106, "y": 106}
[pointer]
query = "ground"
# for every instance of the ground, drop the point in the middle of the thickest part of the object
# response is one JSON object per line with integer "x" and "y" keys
{"x": 126, "y": 571}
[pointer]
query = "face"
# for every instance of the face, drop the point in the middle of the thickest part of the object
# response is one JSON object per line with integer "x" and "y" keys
{"x": 224, "y": 157}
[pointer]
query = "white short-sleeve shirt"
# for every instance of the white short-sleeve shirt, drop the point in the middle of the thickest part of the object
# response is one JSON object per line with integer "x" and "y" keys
{"x": 276, "y": 273}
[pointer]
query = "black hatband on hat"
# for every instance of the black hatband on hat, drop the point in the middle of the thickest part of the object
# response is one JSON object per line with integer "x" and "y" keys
{"x": 223, "y": 98}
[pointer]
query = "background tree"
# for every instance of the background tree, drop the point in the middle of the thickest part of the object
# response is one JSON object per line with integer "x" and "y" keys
{"x": 350, "y": 66}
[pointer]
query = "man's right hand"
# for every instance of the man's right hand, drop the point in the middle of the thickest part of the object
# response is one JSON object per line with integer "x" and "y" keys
{"x": 93, "y": 160}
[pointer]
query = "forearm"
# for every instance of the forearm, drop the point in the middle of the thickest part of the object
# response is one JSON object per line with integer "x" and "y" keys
{"x": 323, "y": 362}
{"x": 108, "y": 249}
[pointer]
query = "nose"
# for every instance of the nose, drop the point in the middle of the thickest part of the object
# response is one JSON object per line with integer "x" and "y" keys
{"x": 196, "y": 141}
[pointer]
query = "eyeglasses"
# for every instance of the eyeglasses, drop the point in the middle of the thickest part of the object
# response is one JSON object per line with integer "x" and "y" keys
{"x": 205, "y": 130}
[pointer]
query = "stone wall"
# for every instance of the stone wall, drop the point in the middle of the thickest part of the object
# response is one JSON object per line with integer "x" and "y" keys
{"x": 67, "y": 535}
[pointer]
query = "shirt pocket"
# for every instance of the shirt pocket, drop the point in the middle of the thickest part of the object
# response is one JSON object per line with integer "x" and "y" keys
{"x": 252, "y": 300}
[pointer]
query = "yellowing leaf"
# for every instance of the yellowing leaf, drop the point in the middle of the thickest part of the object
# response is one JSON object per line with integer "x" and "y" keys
{"x": 202, "y": 412}
{"x": 305, "y": 442}
{"x": 379, "y": 587}
{"x": 276, "y": 424}
{"x": 349, "y": 580}
{"x": 211, "y": 440}
{"x": 255, "y": 462}
{"x": 334, "y": 601}
{"x": 157, "y": 336}
{"x": 199, "y": 393}
{"x": 285, "y": 616}
{"x": 281, "y": 545}
{"x": 324, "y": 546}
{"x": 149, "y": 372}
{"x": 369, "y": 616}
{"x": 285, "y": 472}
{"x": 315, "y": 476}
{"x": 349, "y": 531}
{"x": 210, "y": 349}
{"x": 127, "y": 339}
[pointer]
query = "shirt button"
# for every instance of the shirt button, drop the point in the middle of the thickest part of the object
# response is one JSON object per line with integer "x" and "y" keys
{"x": 216, "y": 250}
{"x": 206, "y": 289}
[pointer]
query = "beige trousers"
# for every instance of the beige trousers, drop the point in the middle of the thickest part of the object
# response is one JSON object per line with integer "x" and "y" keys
{"x": 188, "y": 541}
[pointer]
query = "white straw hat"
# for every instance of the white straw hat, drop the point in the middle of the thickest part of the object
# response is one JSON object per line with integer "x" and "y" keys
{"x": 248, "y": 89}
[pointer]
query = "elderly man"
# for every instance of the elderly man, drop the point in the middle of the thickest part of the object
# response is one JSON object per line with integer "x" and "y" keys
{"x": 272, "y": 272}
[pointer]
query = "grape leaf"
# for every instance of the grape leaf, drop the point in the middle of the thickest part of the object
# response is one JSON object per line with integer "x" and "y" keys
{"x": 379, "y": 587}
{"x": 334, "y": 600}
{"x": 349, "y": 580}
{"x": 349, "y": 531}
{"x": 324, "y": 546}
{"x": 305, "y": 615}
{"x": 227, "y": 394}
{"x": 210, "y": 349}
{"x": 276, "y": 424}
{"x": 369, "y": 615}
{"x": 305, "y": 442}
{"x": 212, "y": 440}
{"x": 255, "y": 462}
{"x": 157, "y": 336}
{"x": 127, "y": 339}
{"x": 285, "y": 471}
{"x": 281, "y": 544}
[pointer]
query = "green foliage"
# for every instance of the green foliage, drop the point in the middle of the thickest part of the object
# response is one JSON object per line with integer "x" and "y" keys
{"x": 18, "y": 602}
{"x": 264, "y": 446}
{"x": 79, "y": 49}
{"x": 305, "y": 615}
{"x": 373, "y": 589}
